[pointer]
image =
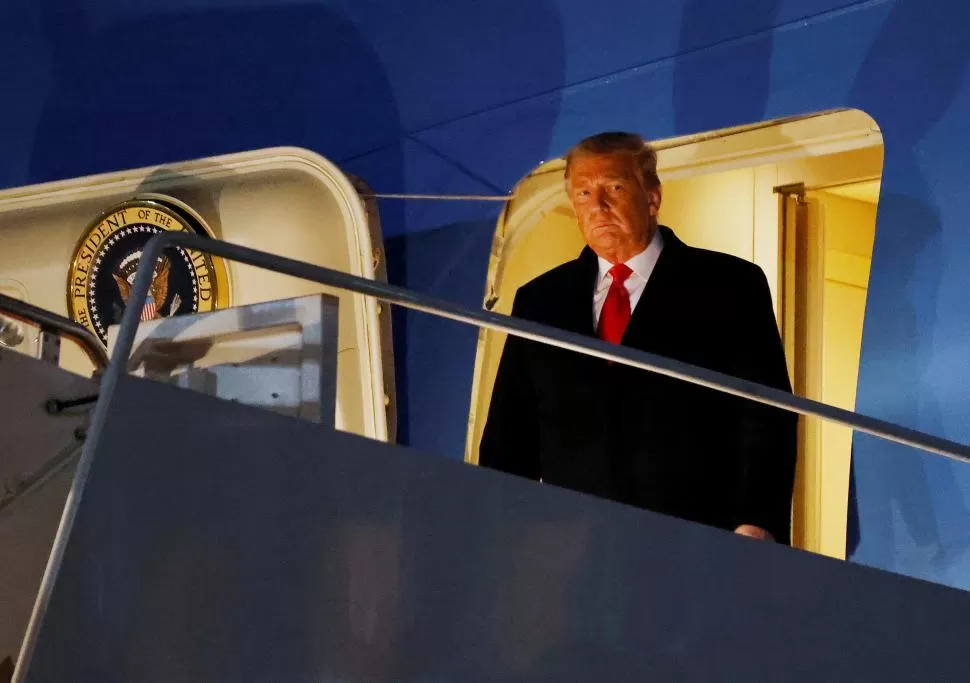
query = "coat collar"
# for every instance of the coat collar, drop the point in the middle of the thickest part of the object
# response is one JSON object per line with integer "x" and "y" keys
{"x": 587, "y": 258}
{"x": 580, "y": 295}
{"x": 657, "y": 294}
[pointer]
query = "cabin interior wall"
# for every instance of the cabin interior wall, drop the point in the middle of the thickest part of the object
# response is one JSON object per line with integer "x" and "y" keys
{"x": 726, "y": 212}
{"x": 736, "y": 211}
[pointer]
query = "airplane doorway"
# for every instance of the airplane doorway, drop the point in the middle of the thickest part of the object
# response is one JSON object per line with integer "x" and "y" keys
{"x": 719, "y": 192}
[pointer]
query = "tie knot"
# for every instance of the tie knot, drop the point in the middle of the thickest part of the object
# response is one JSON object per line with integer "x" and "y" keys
{"x": 620, "y": 272}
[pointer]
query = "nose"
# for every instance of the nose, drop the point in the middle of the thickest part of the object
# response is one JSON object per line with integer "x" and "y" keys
{"x": 602, "y": 199}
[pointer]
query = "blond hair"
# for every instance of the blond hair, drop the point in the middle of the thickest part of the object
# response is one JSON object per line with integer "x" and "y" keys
{"x": 615, "y": 142}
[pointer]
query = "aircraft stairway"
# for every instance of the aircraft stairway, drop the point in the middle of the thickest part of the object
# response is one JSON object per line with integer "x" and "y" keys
{"x": 206, "y": 540}
{"x": 39, "y": 447}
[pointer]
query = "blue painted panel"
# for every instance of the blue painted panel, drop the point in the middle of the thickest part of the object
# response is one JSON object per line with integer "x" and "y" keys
{"x": 413, "y": 167}
{"x": 434, "y": 357}
{"x": 341, "y": 77}
{"x": 149, "y": 88}
{"x": 913, "y": 510}
{"x": 24, "y": 80}
{"x": 732, "y": 83}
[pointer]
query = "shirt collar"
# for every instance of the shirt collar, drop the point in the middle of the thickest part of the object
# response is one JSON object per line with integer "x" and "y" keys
{"x": 642, "y": 264}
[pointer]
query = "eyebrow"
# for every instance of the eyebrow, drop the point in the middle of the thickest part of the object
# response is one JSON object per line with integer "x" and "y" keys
{"x": 607, "y": 179}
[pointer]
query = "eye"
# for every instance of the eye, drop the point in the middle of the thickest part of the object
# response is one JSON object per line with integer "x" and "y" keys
{"x": 617, "y": 187}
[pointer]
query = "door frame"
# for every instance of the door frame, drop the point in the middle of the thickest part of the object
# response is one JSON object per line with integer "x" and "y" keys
{"x": 793, "y": 139}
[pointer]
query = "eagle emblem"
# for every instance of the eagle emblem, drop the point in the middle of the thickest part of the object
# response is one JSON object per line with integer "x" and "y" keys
{"x": 124, "y": 277}
{"x": 106, "y": 260}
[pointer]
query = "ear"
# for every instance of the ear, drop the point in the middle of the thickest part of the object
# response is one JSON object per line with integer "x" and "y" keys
{"x": 654, "y": 197}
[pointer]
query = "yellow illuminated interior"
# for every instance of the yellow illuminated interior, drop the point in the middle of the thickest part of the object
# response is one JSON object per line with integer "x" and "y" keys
{"x": 843, "y": 231}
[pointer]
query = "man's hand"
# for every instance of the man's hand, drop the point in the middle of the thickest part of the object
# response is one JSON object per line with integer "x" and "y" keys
{"x": 752, "y": 531}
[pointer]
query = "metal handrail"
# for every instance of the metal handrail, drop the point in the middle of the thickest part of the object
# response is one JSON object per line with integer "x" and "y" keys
{"x": 56, "y": 324}
{"x": 515, "y": 326}
{"x": 403, "y": 297}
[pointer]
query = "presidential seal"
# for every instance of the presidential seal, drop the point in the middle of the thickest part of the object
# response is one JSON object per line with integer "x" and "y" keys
{"x": 107, "y": 256}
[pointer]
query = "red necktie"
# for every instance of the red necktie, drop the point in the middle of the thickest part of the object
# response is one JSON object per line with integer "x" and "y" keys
{"x": 616, "y": 309}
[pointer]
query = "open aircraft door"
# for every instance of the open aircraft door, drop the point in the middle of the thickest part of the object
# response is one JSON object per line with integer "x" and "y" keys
{"x": 70, "y": 247}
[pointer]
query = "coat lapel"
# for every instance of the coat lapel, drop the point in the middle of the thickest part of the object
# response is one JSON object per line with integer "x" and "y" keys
{"x": 648, "y": 316}
{"x": 576, "y": 312}
{"x": 576, "y": 302}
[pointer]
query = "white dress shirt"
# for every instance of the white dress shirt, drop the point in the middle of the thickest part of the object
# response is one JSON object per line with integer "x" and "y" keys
{"x": 642, "y": 266}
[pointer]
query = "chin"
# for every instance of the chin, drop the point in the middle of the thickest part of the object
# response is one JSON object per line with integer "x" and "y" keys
{"x": 609, "y": 240}
{"x": 605, "y": 238}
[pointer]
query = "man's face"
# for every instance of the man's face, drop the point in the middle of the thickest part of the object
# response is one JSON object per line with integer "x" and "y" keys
{"x": 617, "y": 213}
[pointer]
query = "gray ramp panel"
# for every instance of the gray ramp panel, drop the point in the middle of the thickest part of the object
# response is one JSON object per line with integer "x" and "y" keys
{"x": 38, "y": 454}
{"x": 216, "y": 542}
